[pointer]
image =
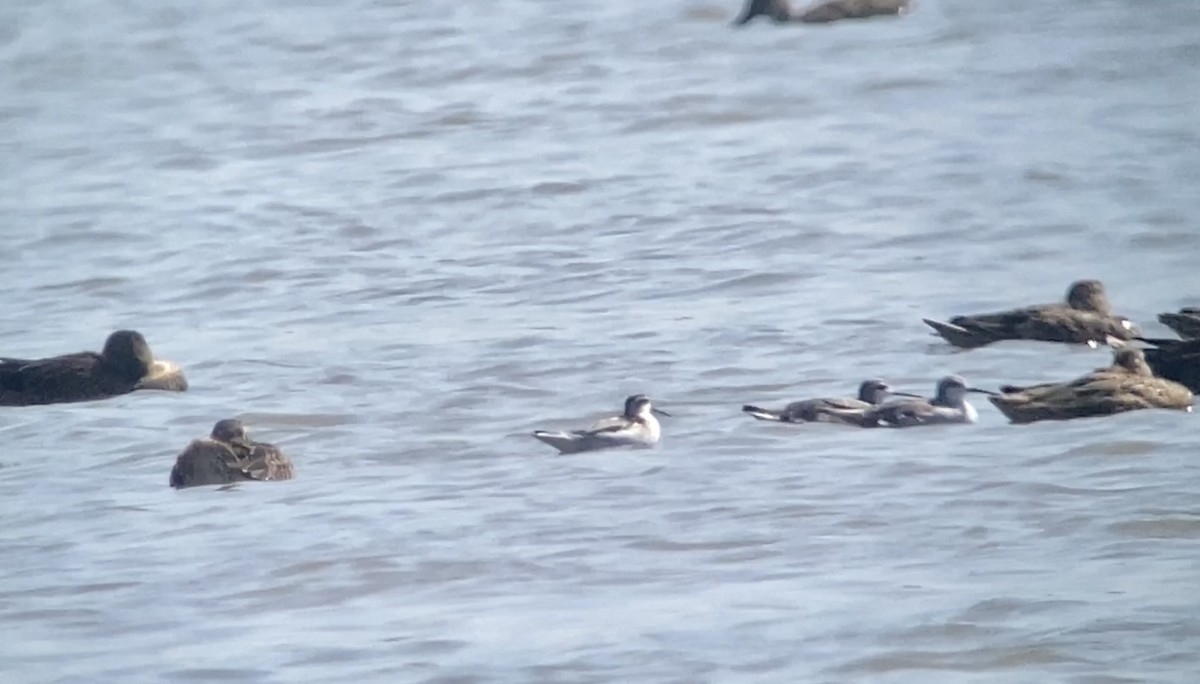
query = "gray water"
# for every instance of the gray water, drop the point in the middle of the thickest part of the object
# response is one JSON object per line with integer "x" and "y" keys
{"x": 396, "y": 237}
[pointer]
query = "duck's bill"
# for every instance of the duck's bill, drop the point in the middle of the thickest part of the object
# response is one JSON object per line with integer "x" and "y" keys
{"x": 977, "y": 390}
{"x": 906, "y": 394}
{"x": 659, "y": 412}
{"x": 165, "y": 376}
{"x": 1115, "y": 343}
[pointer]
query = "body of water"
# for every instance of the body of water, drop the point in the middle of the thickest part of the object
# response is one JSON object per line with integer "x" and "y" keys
{"x": 395, "y": 237}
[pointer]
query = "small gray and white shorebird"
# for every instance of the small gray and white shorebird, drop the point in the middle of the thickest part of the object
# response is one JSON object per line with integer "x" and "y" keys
{"x": 1177, "y": 360}
{"x": 1185, "y": 323}
{"x": 636, "y": 427}
{"x": 949, "y": 406}
{"x": 1084, "y": 318}
{"x": 832, "y": 409}
{"x": 228, "y": 456}
{"x": 780, "y": 11}
{"x": 1127, "y": 385}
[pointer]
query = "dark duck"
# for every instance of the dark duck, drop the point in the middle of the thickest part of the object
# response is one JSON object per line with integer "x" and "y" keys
{"x": 229, "y": 456}
{"x": 1185, "y": 323}
{"x": 125, "y": 365}
{"x": 1177, "y": 360}
{"x": 1084, "y": 318}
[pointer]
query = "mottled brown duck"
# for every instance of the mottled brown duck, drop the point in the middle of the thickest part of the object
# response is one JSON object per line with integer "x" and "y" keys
{"x": 1177, "y": 360}
{"x": 844, "y": 411}
{"x": 822, "y": 12}
{"x": 1186, "y": 322}
{"x": 125, "y": 365}
{"x": 1127, "y": 385}
{"x": 1084, "y": 318}
{"x": 228, "y": 455}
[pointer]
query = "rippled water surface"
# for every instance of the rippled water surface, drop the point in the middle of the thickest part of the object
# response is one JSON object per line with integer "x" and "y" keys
{"x": 394, "y": 237}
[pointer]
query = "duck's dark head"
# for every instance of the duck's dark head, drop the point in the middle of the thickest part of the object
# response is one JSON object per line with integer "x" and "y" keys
{"x": 638, "y": 405}
{"x": 777, "y": 10}
{"x": 129, "y": 355}
{"x": 127, "y": 352}
{"x": 229, "y": 430}
{"x": 1088, "y": 295}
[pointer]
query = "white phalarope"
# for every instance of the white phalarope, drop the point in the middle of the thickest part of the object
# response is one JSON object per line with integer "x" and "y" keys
{"x": 637, "y": 427}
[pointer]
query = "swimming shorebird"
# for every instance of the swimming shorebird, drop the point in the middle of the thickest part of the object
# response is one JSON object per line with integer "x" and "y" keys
{"x": 1177, "y": 360}
{"x": 1186, "y": 323}
{"x": 831, "y": 410}
{"x": 126, "y": 364}
{"x": 948, "y": 406}
{"x": 1085, "y": 318}
{"x": 1127, "y": 385}
{"x": 823, "y": 12}
{"x": 227, "y": 456}
{"x": 637, "y": 427}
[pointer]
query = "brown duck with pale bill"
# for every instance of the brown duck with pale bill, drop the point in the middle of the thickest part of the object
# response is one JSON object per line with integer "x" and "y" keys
{"x": 831, "y": 410}
{"x": 1185, "y": 323}
{"x": 1127, "y": 385}
{"x": 125, "y": 365}
{"x": 1177, "y": 360}
{"x": 824, "y": 12}
{"x": 228, "y": 456}
{"x": 1084, "y": 318}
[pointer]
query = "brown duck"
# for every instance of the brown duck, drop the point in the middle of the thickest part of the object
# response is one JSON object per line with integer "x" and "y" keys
{"x": 1084, "y": 318}
{"x": 822, "y": 13}
{"x": 228, "y": 456}
{"x": 1186, "y": 323}
{"x": 126, "y": 364}
{"x": 831, "y": 410}
{"x": 1177, "y": 360}
{"x": 1127, "y": 385}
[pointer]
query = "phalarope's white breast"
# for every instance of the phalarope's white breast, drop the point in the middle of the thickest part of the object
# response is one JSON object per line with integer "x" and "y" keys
{"x": 831, "y": 410}
{"x": 637, "y": 426}
{"x": 949, "y": 406}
